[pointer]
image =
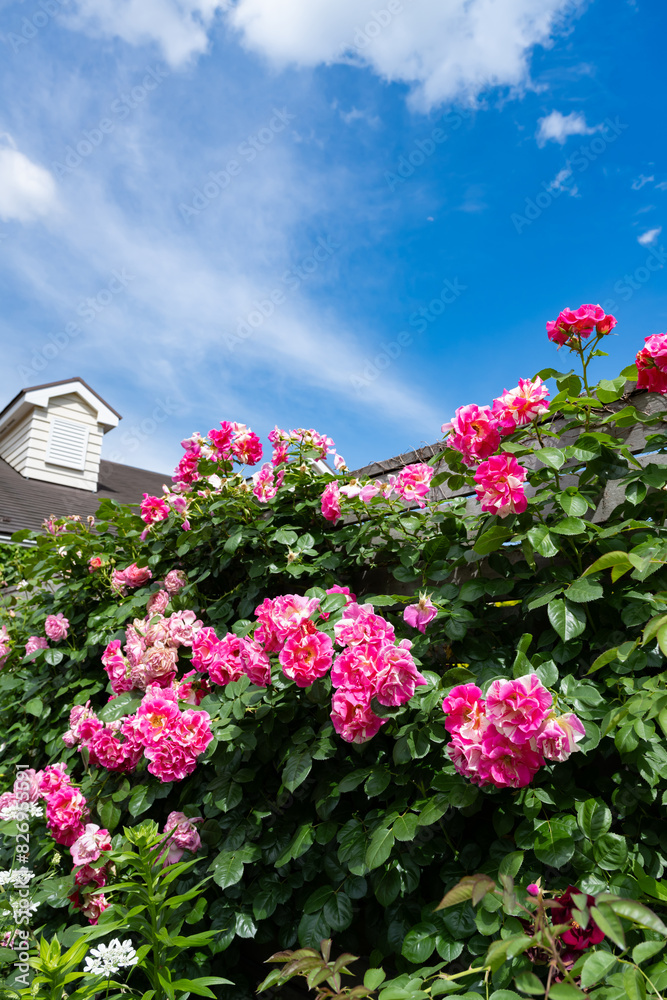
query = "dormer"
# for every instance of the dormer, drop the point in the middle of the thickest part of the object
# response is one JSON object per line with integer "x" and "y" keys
{"x": 54, "y": 433}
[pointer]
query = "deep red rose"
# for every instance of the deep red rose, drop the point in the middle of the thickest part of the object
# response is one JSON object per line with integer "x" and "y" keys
{"x": 576, "y": 937}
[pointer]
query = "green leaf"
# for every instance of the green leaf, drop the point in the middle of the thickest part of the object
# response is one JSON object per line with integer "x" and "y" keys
{"x": 297, "y": 769}
{"x": 511, "y": 864}
{"x": 35, "y": 707}
{"x": 553, "y": 843}
{"x": 567, "y": 619}
{"x": 338, "y": 911}
{"x": 373, "y": 978}
{"x": 379, "y": 848}
{"x": 433, "y": 810}
{"x": 492, "y": 539}
{"x": 528, "y": 982}
{"x": 405, "y": 827}
{"x": 573, "y": 504}
{"x": 563, "y": 991}
{"x": 596, "y": 967}
{"x": 647, "y": 949}
{"x": 554, "y": 458}
{"x": 227, "y": 869}
{"x": 141, "y": 799}
{"x": 584, "y": 590}
{"x": 300, "y": 843}
{"x": 124, "y": 704}
{"x": 609, "y": 924}
{"x": 611, "y": 852}
{"x": 317, "y": 899}
{"x": 594, "y": 818}
{"x": 617, "y": 559}
{"x": 635, "y": 492}
{"x": 569, "y": 526}
{"x": 637, "y": 912}
{"x": 633, "y": 983}
{"x": 54, "y": 656}
{"x": 419, "y": 943}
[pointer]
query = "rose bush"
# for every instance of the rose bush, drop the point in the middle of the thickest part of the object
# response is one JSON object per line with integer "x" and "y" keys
{"x": 260, "y": 666}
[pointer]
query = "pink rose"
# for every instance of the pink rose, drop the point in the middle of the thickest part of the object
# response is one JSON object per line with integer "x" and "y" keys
{"x": 246, "y": 446}
{"x": 107, "y": 750}
{"x": 420, "y": 614}
{"x": 500, "y": 488}
{"x": 65, "y": 810}
{"x": 356, "y": 666}
{"x": 227, "y": 664}
{"x": 474, "y": 432}
{"x": 306, "y": 655}
{"x": 506, "y": 765}
{"x": 397, "y": 675}
{"x": 94, "y": 563}
{"x": 360, "y": 624}
{"x": 352, "y": 716}
{"x": 520, "y": 406}
{"x": 91, "y": 876}
{"x": 256, "y": 663}
{"x": 466, "y": 758}
{"x": 56, "y": 627}
{"x": 652, "y": 364}
{"x": 184, "y": 837}
{"x": 336, "y": 589}
{"x": 154, "y": 509}
{"x": 330, "y": 504}
{"x": 204, "y": 648}
{"x": 194, "y": 731}
{"x": 573, "y": 326}
{"x": 35, "y": 642}
{"x": 182, "y": 627}
{"x": 89, "y": 846}
{"x": 117, "y": 667}
{"x": 174, "y": 581}
{"x": 157, "y": 715}
{"x": 282, "y": 616}
{"x": 157, "y": 602}
{"x": 560, "y": 735}
{"x": 135, "y": 576}
{"x": 464, "y": 707}
{"x": 413, "y": 482}
{"x": 221, "y": 441}
{"x": 266, "y": 484}
{"x": 170, "y": 761}
{"x": 53, "y": 778}
{"x": 518, "y": 708}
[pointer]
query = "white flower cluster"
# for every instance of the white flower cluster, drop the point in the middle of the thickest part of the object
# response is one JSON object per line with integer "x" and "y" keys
{"x": 107, "y": 959}
{"x": 20, "y": 877}
{"x": 23, "y": 908}
{"x": 21, "y": 811}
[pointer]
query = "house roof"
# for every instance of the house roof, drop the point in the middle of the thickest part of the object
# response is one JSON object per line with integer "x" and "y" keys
{"x": 26, "y": 503}
{"x": 51, "y": 385}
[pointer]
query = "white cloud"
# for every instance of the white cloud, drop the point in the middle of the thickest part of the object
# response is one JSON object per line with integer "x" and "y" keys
{"x": 179, "y": 27}
{"x": 649, "y": 237}
{"x": 558, "y": 183}
{"x": 662, "y": 186}
{"x": 557, "y": 127}
{"x": 27, "y": 191}
{"x": 639, "y": 182}
{"x": 443, "y": 49}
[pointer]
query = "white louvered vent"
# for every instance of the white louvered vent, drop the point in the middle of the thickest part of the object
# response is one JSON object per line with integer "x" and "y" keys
{"x": 68, "y": 443}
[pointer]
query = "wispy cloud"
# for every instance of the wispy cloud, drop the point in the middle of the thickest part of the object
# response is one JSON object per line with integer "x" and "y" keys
{"x": 27, "y": 190}
{"x": 639, "y": 182}
{"x": 559, "y": 182}
{"x": 648, "y": 238}
{"x": 557, "y": 127}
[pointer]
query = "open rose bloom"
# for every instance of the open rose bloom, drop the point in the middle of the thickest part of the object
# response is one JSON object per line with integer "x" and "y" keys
{"x": 504, "y": 739}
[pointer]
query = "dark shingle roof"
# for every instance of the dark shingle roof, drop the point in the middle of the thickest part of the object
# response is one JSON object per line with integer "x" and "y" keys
{"x": 26, "y": 503}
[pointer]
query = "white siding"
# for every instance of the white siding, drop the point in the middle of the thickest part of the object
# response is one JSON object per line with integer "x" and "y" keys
{"x": 14, "y": 444}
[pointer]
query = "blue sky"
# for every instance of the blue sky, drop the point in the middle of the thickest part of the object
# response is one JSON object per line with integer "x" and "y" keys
{"x": 343, "y": 214}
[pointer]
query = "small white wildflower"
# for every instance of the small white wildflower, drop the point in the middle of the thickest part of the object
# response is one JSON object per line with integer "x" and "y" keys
{"x": 20, "y": 812}
{"x": 5, "y": 877}
{"x": 107, "y": 959}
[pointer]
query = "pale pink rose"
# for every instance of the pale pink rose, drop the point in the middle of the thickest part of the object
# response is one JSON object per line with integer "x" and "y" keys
{"x": 89, "y": 846}
{"x": 397, "y": 675}
{"x": 157, "y": 631}
{"x": 330, "y": 504}
{"x": 360, "y": 624}
{"x": 506, "y": 765}
{"x": 204, "y": 648}
{"x": 184, "y": 837}
{"x": 94, "y": 906}
{"x": 413, "y": 482}
{"x": 357, "y": 666}
{"x": 518, "y": 708}
{"x": 474, "y": 432}
{"x": 500, "y": 485}
{"x": 466, "y": 758}
{"x": 182, "y": 627}
{"x": 5, "y": 645}
{"x": 135, "y": 641}
{"x": 82, "y": 724}
{"x": 352, "y": 716}
{"x": 522, "y": 405}
{"x": 53, "y": 777}
{"x": 56, "y": 627}
{"x": 174, "y": 581}
{"x": 420, "y": 614}
{"x": 306, "y": 655}
{"x": 65, "y": 811}
{"x": 464, "y": 707}
{"x": 560, "y": 735}
{"x": 339, "y": 463}
{"x": 652, "y": 364}
{"x": 135, "y": 576}
{"x": 35, "y": 642}
{"x": 159, "y": 665}
{"x": 157, "y": 715}
{"x": 153, "y": 509}
{"x": 157, "y": 602}
{"x": 227, "y": 665}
